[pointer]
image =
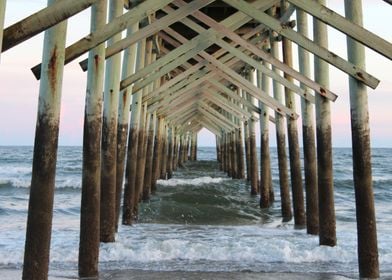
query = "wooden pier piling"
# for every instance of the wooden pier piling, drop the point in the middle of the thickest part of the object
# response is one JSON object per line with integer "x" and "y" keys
{"x": 292, "y": 135}
{"x": 281, "y": 142}
{"x": 129, "y": 63}
{"x": 308, "y": 137}
{"x": 362, "y": 166}
{"x": 109, "y": 135}
{"x": 130, "y": 175}
{"x": 327, "y": 220}
{"x": 91, "y": 178}
{"x": 40, "y": 211}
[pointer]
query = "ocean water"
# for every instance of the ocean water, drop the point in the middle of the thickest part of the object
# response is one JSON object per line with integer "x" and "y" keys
{"x": 200, "y": 220}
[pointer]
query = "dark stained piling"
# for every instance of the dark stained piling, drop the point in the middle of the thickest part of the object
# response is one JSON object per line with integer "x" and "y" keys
{"x": 129, "y": 62}
{"x": 240, "y": 154}
{"x": 247, "y": 149}
{"x": 229, "y": 155}
{"x": 109, "y": 136}
{"x": 90, "y": 205}
{"x": 281, "y": 143}
{"x": 222, "y": 152}
{"x": 234, "y": 162}
{"x": 194, "y": 146}
{"x": 181, "y": 151}
{"x": 308, "y": 137}
{"x": 265, "y": 162}
{"x": 40, "y": 211}
{"x": 164, "y": 156}
{"x": 149, "y": 154}
{"x": 176, "y": 150}
{"x": 254, "y": 165}
{"x": 170, "y": 152}
{"x": 141, "y": 160}
{"x": 362, "y": 166}
{"x": 327, "y": 221}
{"x": 292, "y": 135}
{"x": 130, "y": 175}
{"x": 156, "y": 164}
{"x": 218, "y": 150}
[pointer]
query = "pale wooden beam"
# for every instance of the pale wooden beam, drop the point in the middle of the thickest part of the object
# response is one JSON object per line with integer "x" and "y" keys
{"x": 353, "y": 30}
{"x": 306, "y": 43}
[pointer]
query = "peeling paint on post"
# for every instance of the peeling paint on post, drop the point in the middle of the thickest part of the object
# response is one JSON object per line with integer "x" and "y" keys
{"x": 292, "y": 134}
{"x": 40, "y": 212}
{"x": 281, "y": 143}
{"x": 327, "y": 221}
{"x": 90, "y": 208}
{"x": 364, "y": 198}
{"x": 109, "y": 135}
{"x": 129, "y": 64}
{"x": 130, "y": 175}
{"x": 309, "y": 145}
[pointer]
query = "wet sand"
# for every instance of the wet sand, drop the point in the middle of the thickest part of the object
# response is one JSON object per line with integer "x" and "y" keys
{"x": 12, "y": 274}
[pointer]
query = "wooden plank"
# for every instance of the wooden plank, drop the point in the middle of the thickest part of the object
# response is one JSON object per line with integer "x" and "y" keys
{"x": 353, "y": 30}
{"x": 306, "y": 43}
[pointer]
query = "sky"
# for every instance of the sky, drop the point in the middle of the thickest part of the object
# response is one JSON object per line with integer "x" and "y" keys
{"x": 19, "y": 89}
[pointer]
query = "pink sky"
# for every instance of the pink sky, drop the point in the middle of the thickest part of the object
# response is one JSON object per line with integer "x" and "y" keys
{"x": 19, "y": 89}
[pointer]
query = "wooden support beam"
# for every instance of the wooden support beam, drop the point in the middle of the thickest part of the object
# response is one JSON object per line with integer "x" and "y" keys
{"x": 306, "y": 43}
{"x": 153, "y": 28}
{"x": 40, "y": 21}
{"x": 117, "y": 25}
{"x": 2, "y": 16}
{"x": 351, "y": 29}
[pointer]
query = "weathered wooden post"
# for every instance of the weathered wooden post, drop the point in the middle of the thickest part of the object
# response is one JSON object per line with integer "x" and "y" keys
{"x": 364, "y": 199}
{"x": 91, "y": 179}
{"x": 170, "y": 153}
{"x": 176, "y": 150}
{"x": 40, "y": 213}
{"x": 109, "y": 135}
{"x": 194, "y": 146}
{"x": 129, "y": 63}
{"x": 254, "y": 165}
{"x": 164, "y": 152}
{"x": 218, "y": 151}
{"x": 130, "y": 178}
{"x": 281, "y": 141}
{"x": 181, "y": 151}
{"x": 308, "y": 137}
{"x": 149, "y": 154}
{"x": 327, "y": 222}
{"x": 2, "y": 16}
{"x": 265, "y": 162}
{"x": 230, "y": 154}
{"x": 240, "y": 151}
{"x": 292, "y": 134}
{"x": 223, "y": 151}
{"x": 141, "y": 157}
{"x": 234, "y": 161}
{"x": 247, "y": 148}
{"x": 156, "y": 164}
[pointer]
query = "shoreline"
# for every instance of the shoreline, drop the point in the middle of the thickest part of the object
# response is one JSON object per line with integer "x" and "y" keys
{"x": 133, "y": 274}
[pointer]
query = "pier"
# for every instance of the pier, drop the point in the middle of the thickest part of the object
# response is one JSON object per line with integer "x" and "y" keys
{"x": 159, "y": 71}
